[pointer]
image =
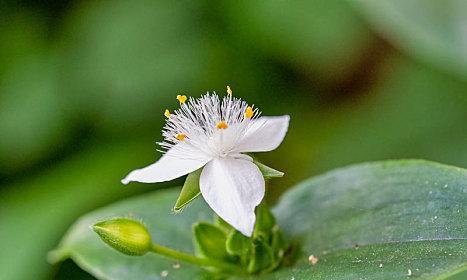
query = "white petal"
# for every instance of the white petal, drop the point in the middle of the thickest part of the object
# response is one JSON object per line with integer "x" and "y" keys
{"x": 233, "y": 188}
{"x": 264, "y": 134}
{"x": 180, "y": 160}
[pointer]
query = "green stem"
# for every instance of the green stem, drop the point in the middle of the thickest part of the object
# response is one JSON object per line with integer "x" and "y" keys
{"x": 174, "y": 254}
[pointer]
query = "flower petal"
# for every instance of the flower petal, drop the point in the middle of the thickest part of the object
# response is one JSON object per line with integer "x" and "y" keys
{"x": 180, "y": 160}
{"x": 264, "y": 134}
{"x": 233, "y": 187}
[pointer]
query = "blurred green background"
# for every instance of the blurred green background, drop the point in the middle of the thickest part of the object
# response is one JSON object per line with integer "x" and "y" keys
{"x": 83, "y": 86}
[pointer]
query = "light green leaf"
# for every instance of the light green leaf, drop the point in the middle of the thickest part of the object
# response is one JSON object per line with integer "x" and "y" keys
{"x": 267, "y": 171}
{"x": 210, "y": 241}
{"x": 85, "y": 247}
{"x": 190, "y": 190}
{"x": 264, "y": 221}
{"x": 372, "y": 220}
{"x": 237, "y": 244}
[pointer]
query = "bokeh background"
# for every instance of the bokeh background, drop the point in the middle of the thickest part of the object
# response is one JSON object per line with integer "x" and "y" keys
{"x": 83, "y": 86}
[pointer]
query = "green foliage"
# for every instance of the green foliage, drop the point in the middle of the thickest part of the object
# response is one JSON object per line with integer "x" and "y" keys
{"x": 36, "y": 212}
{"x": 430, "y": 30}
{"x": 238, "y": 244}
{"x": 264, "y": 222}
{"x": 375, "y": 220}
{"x": 261, "y": 256}
{"x": 210, "y": 241}
{"x": 75, "y": 77}
{"x": 300, "y": 33}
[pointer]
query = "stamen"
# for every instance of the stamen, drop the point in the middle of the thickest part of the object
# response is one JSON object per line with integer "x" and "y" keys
{"x": 167, "y": 113}
{"x": 249, "y": 112}
{"x": 229, "y": 91}
{"x": 180, "y": 136}
{"x": 222, "y": 125}
{"x": 181, "y": 99}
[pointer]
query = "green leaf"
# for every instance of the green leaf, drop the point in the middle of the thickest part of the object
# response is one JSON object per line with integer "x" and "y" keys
{"x": 264, "y": 221}
{"x": 238, "y": 244}
{"x": 278, "y": 244}
{"x": 210, "y": 241}
{"x": 267, "y": 171}
{"x": 85, "y": 248}
{"x": 261, "y": 256}
{"x": 190, "y": 190}
{"x": 428, "y": 30}
{"x": 407, "y": 214}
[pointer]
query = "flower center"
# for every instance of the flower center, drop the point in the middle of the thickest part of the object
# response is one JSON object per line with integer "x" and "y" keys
{"x": 210, "y": 124}
{"x": 222, "y": 125}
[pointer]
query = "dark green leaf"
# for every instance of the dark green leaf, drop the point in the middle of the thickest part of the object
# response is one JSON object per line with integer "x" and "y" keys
{"x": 399, "y": 215}
{"x": 210, "y": 241}
{"x": 189, "y": 191}
{"x": 267, "y": 171}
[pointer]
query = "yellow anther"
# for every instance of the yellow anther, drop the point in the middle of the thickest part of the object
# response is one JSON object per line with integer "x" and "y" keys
{"x": 181, "y": 98}
{"x": 222, "y": 125}
{"x": 229, "y": 91}
{"x": 249, "y": 112}
{"x": 167, "y": 113}
{"x": 180, "y": 136}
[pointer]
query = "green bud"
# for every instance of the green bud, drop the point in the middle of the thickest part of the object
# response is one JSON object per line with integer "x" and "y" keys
{"x": 127, "y": 236}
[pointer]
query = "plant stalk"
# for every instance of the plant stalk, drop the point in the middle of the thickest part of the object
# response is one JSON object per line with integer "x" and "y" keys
{"x": 174, "y": 254}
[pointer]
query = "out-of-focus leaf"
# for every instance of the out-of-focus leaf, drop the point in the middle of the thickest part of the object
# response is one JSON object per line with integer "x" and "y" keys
{"x": 126, "y": 62}
{"x": 32, "y": 120}
{"x": 21, "y": 35}
{"x": 431, "y": 30}
{"x": 411, "y": 112}
{"x": 36, "y": 211}
{"x": 325, "y": 37}
{"x": 374, "y": 220}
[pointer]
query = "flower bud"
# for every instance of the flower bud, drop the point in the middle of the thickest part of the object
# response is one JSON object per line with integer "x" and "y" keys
{"x": 127, "y": 236}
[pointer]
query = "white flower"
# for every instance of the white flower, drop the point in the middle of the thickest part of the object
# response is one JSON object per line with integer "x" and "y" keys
{"x": 213, "y": 133}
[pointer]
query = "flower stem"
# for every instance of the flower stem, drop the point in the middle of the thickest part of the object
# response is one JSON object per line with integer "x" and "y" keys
{"x": 174, "y": 254}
